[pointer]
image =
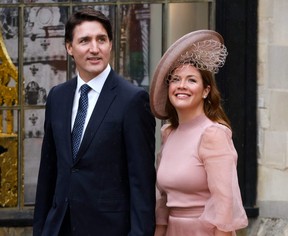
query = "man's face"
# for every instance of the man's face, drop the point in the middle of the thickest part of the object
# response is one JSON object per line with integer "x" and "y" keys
{"x": 90, "y": 48}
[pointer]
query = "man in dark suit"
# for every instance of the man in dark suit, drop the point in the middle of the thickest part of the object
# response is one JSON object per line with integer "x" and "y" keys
{"x": 107, "y": 187}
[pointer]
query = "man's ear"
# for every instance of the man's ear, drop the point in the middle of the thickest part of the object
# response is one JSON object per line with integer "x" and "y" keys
{"x": 69, "y": 48}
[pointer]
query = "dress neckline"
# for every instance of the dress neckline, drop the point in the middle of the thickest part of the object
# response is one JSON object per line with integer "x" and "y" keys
{"x": 193, "y": 122}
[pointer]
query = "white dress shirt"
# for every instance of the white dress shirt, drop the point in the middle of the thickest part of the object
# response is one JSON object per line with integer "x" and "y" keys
{"x": 96, "y": 85}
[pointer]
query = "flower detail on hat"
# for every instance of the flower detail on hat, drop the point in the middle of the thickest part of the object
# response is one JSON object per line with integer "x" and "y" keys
{"x": 207, "y": 55}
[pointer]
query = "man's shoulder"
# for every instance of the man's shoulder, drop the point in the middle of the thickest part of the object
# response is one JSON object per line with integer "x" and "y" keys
{"x": 67, "y": 84}
{"x": 126, "y": 84}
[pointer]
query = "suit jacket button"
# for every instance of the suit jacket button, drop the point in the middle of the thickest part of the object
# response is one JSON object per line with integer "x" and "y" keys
{"x": 75, "y": 170}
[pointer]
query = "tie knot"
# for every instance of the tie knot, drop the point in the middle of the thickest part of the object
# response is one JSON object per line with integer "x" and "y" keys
{"x": 85, "y": 88}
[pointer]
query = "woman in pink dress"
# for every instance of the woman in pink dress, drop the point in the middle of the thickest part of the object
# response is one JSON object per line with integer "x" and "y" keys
{"x": 197, "y": 179}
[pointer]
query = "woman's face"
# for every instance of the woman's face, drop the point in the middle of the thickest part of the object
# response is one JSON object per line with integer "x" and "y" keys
{"x": 186, "y": 90}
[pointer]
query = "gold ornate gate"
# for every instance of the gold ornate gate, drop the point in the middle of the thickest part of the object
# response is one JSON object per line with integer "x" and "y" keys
{"x": 8, "y": 139}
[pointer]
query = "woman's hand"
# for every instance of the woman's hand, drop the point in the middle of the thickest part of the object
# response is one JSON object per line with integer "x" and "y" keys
{"x": 160, "y": 230}
{"x": 222, "y": 233}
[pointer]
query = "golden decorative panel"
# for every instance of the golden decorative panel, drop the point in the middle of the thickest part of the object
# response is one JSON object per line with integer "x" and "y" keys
{"x": 8, "y": 78}
{"x": 8, "y": 139}
{"x": 8, "y": 171}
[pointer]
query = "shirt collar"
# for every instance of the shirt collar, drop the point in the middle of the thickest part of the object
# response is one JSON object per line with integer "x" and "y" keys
{"x": 96, "y": 83}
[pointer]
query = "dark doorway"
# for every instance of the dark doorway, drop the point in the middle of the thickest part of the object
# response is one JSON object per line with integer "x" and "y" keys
{"x": 237, "y": 22}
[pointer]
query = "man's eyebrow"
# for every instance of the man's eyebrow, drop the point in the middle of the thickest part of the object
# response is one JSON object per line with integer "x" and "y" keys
{"x": 84, "y": 37}
{"x": 102, "y": 36}
{"x": 97, "y": 36}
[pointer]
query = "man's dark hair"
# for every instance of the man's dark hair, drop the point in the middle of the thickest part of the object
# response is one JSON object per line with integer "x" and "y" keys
{"x": 86, "y": 14}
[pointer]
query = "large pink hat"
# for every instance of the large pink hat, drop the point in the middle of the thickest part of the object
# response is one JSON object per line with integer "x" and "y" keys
{"x": 203, "y": 49}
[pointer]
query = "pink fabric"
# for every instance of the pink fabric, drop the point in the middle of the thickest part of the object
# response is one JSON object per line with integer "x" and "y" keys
{"x": 196, "y": 169}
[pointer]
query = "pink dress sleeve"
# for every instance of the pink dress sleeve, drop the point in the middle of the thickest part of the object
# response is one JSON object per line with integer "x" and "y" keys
{"x": 162, "y": 212}
{"x": 224, "y": 209}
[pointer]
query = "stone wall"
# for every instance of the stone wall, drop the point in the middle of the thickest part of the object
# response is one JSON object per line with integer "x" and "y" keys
{"x": 273, "y": 108}
{"x": 272, "y": 193}
{"x": 27, "y": 231}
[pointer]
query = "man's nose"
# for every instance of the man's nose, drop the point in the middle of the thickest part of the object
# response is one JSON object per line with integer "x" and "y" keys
{"x": 94, "y": 47}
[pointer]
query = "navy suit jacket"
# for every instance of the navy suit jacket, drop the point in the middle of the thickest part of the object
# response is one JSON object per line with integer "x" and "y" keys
{"x": 110, "y": 189}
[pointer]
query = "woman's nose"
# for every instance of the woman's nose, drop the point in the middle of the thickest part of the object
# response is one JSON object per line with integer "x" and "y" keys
{"x": 183, "y": 83}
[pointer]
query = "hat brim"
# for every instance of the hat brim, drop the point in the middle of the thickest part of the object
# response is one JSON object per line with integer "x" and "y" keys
{"x": 158, "y": 87}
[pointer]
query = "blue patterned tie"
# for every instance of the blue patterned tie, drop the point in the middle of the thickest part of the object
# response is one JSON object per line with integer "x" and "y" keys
{"x": 80, "y": 119}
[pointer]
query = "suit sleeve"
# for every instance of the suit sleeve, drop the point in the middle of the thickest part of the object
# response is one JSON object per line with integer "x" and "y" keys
{"x": 139, "y": 132}
{"x": 46, "y": 176}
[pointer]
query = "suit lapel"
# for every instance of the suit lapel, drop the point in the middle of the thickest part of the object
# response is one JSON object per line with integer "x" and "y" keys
{"x": 106, "y": 97}
{"x": 67, "y": 108}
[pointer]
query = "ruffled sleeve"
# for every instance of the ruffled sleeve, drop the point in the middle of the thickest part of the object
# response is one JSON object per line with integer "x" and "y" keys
{"x": 224, "y": 209}
{"x": 162, "y": 212}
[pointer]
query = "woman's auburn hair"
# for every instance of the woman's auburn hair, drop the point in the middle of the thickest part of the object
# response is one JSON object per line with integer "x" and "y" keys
{"x": 212, "y": 103}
